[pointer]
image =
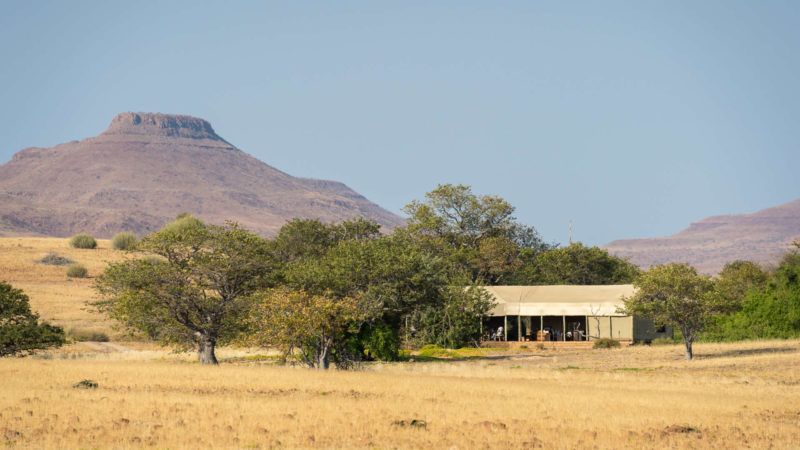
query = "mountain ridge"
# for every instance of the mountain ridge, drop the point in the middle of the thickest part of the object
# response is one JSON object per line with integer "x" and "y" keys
{"x": 147, "y": 167}
{"x": 708, "y": 244}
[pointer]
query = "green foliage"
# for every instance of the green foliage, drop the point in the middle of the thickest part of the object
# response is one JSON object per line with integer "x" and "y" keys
{"x": 454, "y": 320}
{"x": 83, "y": 241}
{"x": 21, "y": 333}
{"x": 476, "y": 234}
{"x": 767, "y": 312}
{"x": 676, "y": 295}
{"x": 311, "y": 238}
{"x": 195, "y": 292}
{"x": 605, "y": 343}
{"x": 77, "y": 271}
{"x": 124, "y": 241}
{"x": 577, "y": 264}
{"x": 380, "y": 341}
{"x": 316, "y": 326}
{"x": 54, "y": 259}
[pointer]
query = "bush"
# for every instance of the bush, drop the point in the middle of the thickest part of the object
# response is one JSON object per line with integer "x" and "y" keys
{"x": 21, "y": 333}
{"x": 87, "y": 335}
{"x": 605, "y": 343}
{"x": 663, "y": 341}
{"x": 83, "y": 241}
{"x": 381, "y": 342}
{"x": 124, "y": 241}
{"x": 77, "y": 271}
{"x": 53, "y": 259}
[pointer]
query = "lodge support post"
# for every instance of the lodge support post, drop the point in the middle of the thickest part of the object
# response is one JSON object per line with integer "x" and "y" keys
{"x": 587, "y": 328}
{"x": 563, "y": 328}
{"x": 519, "y": 328}
{"x": 505, "y": 328}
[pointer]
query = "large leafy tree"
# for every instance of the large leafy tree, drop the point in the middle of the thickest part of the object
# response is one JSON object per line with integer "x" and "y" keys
{"x": 21, "y": 333}
{"x": 315, "y": 326}
{"x": 738, "y": 278}
{"x": 193, "y": 289}
{"x": 478, "y": 234}
{"x": 769, "y": 310}
{"x": 311, "y": 238}
{"x": 676, "y": 295}
{"x": 577, "y": 264}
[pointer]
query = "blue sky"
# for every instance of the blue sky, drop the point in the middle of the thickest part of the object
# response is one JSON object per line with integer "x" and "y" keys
{"x": 629, "y": 118}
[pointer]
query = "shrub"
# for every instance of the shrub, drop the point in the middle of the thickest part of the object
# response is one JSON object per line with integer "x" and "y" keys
{"x": 53, "y": 259}
{"x": 381, "y": 343}
{"x": 87, "y": 335}
{"x": 77, "y": 271}
{"x": 605, "y": 343}
{"x": 124, "y": 241}
{"x": 21, "y": 333}
{"x": 663, "y": 341}
{"x": 83, "y": 241}
{"x": 86, "y": 384}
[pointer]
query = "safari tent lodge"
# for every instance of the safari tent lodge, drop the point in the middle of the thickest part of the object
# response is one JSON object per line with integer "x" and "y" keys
{"x": 565, "y": 313}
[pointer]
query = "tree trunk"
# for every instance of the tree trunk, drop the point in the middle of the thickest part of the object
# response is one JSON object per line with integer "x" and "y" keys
{"x": 205, "y": 351}
{"x": 323, "y": 361}
{"x": 688, "y": 343}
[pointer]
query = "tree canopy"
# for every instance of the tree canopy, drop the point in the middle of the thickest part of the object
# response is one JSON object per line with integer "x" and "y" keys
{"x": 676, "y": 295}
{"x": 194, "y": 289}
{"x": 21, "y": 333}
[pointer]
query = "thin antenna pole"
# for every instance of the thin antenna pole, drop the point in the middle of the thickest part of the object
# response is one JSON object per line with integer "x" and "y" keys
{"x": 570, "y": 232}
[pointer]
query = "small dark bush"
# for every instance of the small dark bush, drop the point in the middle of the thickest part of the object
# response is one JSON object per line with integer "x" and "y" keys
{"x": 124, "y": 241}
{"x": 87, "y": 335}
{"x": 86, "y": 384}
{"x": 663, "y": 341}
{"x": 77, "y": 271}
{"x": 381, "y": 343}
{"x": 53, "y": 259}
{"x": 605, "y": 343}
{"x": 83, "y": 241}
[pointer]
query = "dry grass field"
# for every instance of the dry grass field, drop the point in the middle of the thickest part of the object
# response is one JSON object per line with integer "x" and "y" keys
{"x": 732, "y": 396}
{"x": 55, "y": 297}
{"x": 744, "y": 395}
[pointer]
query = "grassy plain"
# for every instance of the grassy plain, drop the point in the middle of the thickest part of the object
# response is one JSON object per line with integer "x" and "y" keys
{"x": 55, "y": 297}
{"x": 744, "y": 395}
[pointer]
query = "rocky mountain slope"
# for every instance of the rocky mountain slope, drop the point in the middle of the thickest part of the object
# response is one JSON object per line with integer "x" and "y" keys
{"x": 709, "y": 244}
{"x": 147, "y": 168}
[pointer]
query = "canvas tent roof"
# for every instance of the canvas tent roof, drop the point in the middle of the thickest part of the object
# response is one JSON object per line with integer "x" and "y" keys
{"x": 559, "y": 300}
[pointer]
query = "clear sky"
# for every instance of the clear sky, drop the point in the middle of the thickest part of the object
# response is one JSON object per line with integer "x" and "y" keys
{"x": 630, "y": 118}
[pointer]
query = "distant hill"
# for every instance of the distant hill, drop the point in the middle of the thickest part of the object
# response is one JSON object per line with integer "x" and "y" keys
{"x": 146, "y": 168}
{"x": 709, "y": 244}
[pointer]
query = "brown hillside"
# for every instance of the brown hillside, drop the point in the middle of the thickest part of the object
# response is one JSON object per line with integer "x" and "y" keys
{"x": 709, "y": 244}
{"x": 146, "y": 168}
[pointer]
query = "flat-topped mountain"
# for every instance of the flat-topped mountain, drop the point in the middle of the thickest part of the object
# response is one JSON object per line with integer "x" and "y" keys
{"x": 146, "y": 168}
{"x": 709, "y": 244}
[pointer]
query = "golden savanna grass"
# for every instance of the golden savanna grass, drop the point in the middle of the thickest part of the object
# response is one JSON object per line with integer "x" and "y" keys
{"x": 55, "y": 297}
{"x": 744, "y": 395}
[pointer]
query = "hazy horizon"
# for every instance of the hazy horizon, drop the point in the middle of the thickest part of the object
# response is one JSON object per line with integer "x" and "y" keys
{"x": 631, "y": 120}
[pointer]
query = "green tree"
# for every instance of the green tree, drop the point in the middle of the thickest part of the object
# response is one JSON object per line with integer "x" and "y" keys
{"x": 315, "y": 325}
{"x": 195, "y": 292}
{"x": 768, "y": 311}
{"x": 312, "y": 238}
{"x": 676, "y": 295}
{"x": 478, "y": 234}
{"x": 738, "y": 278}
{"x": 21, "y": 333}
{"x": 577, "y": 264}
{"x": 454, "y": 320}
